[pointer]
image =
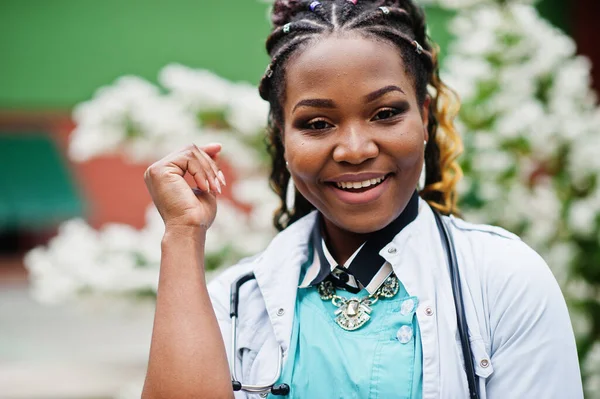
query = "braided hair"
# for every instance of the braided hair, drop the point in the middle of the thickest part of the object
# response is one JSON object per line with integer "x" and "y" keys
{"x": 298, "y": 23}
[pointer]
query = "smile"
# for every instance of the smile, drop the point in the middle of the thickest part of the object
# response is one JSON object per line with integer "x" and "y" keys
{"x": 360, "y": 184}
{"x": 360, "y": 190}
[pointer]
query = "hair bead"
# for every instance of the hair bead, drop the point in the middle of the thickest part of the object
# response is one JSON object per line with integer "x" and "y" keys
{"x": 313, "y": 6}
{"x": 419, "y": 49}
{"x": 286, "y": 27}
{"x": 385, "y": 10}
{"x": 269, "y": 71}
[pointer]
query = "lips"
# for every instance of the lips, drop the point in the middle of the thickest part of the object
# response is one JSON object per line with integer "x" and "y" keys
{"x": 359, "y": 189}
{"x": 359, "y": 184}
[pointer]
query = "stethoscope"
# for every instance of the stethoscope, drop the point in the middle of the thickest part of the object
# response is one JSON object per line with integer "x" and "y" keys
{"x": 284, "y": 389}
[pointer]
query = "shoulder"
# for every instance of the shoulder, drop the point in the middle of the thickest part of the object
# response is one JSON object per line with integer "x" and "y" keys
{"x": 493, "y": 245}
{"x": 507, "y": 266}
{"x": 219, "y": 286}
{"x": 522, "y": 299}
{"x": 481, "y": 229}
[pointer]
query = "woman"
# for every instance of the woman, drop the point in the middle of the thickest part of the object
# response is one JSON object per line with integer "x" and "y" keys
{"x": 355, "y": 291}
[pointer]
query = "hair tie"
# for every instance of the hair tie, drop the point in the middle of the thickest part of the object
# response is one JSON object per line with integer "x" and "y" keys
{"x": 313, "y": 6}
{"x": 286, "y": 27}
{"x": 419, "y": 49}
{"x": 385, "y": 10}
{"x": 352, "y": 1}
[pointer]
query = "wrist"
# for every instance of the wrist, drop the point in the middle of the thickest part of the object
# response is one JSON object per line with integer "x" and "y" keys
{"x": 184, "y": 233}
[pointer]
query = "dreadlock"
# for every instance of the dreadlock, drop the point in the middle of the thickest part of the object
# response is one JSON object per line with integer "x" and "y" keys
{"x": 297, "y": 23}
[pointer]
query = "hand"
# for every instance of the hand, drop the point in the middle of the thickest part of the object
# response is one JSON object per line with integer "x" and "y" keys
{"x": 178, "y": 204}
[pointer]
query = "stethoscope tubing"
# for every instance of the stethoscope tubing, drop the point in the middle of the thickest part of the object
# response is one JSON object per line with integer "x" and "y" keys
{"x": 463, "y": 330}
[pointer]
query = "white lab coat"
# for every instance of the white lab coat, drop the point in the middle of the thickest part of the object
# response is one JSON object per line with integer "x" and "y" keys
{"x": 521, "y": 336}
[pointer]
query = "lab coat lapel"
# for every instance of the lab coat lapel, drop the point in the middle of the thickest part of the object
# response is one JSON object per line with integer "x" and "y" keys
{"x": 277, "y": 275}
{"x": 417, "y": 257}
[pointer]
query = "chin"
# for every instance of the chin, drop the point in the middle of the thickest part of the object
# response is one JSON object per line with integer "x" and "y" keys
{"x": 363, "y": 222}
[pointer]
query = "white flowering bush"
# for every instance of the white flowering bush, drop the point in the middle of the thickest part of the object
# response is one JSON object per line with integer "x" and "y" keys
{"x": 143, "y": 122}
{"x": 531, "y": 128}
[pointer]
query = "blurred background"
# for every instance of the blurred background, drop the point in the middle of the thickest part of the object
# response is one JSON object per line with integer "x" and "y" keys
{"x": 91, "y": 93}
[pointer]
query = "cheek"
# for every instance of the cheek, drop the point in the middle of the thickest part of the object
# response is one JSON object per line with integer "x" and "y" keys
{"x": 407, "y": 146}
{"x": 306, "y": 156}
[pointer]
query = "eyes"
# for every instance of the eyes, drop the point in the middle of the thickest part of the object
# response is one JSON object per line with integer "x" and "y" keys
{"x": 387, "y": 114}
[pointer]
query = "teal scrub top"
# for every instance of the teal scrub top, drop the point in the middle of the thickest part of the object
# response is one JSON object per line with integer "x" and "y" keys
{"x": 382, "y": 359}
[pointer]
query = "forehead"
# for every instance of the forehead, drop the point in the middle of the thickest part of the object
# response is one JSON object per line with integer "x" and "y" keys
{"x": 345, "y": 64}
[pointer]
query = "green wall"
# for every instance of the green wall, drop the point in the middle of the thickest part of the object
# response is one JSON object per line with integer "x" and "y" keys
{"x": 55, "y": 53}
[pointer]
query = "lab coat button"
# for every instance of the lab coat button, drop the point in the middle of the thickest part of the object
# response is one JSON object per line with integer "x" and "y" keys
{"x": 392, "y": 250}
{"x": 429, "y": 311}
{"x": 404, "y": 334}
{"x": 484, "y": 363}
{"x": 407, "y": 307}
{"x": 280, "y": 312}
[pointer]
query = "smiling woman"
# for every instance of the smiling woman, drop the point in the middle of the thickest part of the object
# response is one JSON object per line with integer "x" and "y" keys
{"x": 367, "y": 291}
{"x": 365, "y": 123}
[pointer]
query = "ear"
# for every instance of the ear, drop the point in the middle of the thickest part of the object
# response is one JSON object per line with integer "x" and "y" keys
{"x": 425, "y": 116}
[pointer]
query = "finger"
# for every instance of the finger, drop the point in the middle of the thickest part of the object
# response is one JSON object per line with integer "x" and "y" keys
{"x": 199, "y": 176}
{"x": 187, "y": 161}
{"x": 206, "y": 164}
{"x": 211, "y": 149}
{"x": 218, "y": 173}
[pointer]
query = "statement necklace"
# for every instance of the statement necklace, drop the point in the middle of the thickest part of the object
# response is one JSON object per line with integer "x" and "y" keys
{"x": 353, "y": 313}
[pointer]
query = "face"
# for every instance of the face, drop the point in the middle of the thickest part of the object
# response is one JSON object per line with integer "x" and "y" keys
{"x": 353, "y": 132}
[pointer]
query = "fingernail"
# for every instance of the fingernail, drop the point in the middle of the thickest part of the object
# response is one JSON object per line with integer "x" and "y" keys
{"x": 222, "y": 178}
{"x": 218, "y": 185}
{"x": 207, "y": 187}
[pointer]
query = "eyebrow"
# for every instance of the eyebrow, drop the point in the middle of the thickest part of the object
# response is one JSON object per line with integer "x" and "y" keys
{"x": 326, "y": 103}
{"x": 315, "y": 102}
{"x": 379, "y": 93}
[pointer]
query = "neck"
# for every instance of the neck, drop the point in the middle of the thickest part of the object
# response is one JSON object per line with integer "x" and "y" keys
{"x": 342, "y": 243}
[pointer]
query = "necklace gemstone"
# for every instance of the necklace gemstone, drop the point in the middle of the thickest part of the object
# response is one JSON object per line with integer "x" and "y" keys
{"x": 352, "y": 308}
{"x": 353, "y": 313}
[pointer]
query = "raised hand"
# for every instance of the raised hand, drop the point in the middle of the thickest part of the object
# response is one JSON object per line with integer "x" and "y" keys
{"x": 179, "y": 205}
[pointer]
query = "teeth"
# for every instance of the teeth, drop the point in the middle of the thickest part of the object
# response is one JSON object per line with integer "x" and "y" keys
{"x": 360, "y": 184}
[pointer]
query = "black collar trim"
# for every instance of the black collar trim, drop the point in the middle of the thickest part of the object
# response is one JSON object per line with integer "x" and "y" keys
{"x": 367, "y": 263}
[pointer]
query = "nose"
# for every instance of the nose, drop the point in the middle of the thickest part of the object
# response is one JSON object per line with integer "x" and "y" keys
{"x": 355, "y": 146}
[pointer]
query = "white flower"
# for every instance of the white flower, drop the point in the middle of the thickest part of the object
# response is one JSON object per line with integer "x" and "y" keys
{"x": 195, "y": 88}
{"x": 247, "y": 112}
{"x": 126, "y": 117}
{"x": 560, "y": 257}
{"x": 582, "y": 323}
{"x": 583, "y": 216}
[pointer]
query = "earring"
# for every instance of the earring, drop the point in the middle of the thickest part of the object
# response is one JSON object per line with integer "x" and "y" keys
{"x": 421, "y": 184}
{"x": 290, "y": 196}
